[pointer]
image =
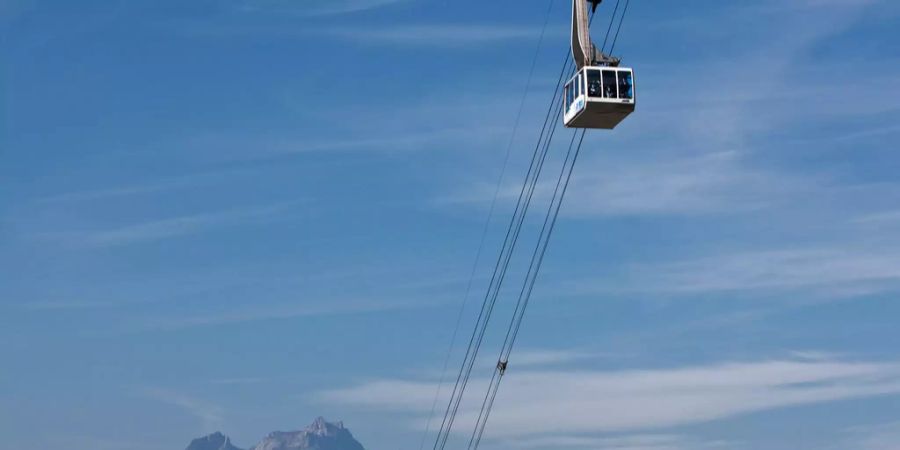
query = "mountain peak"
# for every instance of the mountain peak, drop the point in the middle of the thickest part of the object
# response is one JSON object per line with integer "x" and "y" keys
{"x": 320, "y": 435}
{"x": 322, "y": 427}
{"x": 215, "y": 441}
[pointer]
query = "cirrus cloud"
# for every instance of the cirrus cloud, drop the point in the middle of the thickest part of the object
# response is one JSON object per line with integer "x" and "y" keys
{"x": 313, "y": 7}
{"x": 627, "y": 400}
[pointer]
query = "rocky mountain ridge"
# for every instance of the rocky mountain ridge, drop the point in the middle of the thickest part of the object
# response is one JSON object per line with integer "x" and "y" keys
{"x": 215, "y": 441}
{"x": 320, "y": 435}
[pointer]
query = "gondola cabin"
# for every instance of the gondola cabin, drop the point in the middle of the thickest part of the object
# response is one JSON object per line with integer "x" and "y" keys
{"x": 599, "y": 97}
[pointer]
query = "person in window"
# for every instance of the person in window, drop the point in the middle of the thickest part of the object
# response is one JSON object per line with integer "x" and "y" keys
{"x": 625, "y": 85}
{"x": 610, "y": 91}
{"x": 594, "y": 88}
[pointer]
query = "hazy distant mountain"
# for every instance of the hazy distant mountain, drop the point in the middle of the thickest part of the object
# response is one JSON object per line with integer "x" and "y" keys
{"x": 321, "y": 435}
{"x": 215, "y": 441}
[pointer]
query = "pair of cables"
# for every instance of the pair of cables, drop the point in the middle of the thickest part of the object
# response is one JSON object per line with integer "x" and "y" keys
{"x": 534, "y": 267}
{"x": 513, "y": 233}
{"x": 612, "y": 20}
{"x": 501, "y": 266}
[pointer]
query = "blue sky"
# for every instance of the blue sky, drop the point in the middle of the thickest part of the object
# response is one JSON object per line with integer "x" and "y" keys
{"x": 239, "y": 215}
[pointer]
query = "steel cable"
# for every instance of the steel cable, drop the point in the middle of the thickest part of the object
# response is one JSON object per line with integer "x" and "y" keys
{"x": 487, "y": 306}
{"x": 622, "y": 19}
{"x": 528, "y": 287}
{"x": 501, "y": 267}
{"x": 612, "y": 20}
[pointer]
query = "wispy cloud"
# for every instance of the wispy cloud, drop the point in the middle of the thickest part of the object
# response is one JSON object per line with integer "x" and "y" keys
{"x": 383, "y": 137}
{"x": 434, "y": 35}
{"x": 239, "y": 381}
{"x": 280, "y": 311}
{"x": 311, "y": 7}
{"x": 150, "y": 187}
{"x": 831, "y": 3}
{"x": 622, "y": 442}
{"x": 167, "y": 285}
{"x": 440, "y": 35}
{"x": 713, "y": 183}
{"x": 400, "y": 142}
{"x": 64, "y": 305}
{"x": 209, "y": 414}
{"x": 835, "y": 271}
{"x": 545, "y": 357}
{"x": 875, "y": 437}
{"x": 605, "y": 401}
{"x": 121, "y": 191}
{"x": 880, "y": 219}
{"x": 155, "y": 230}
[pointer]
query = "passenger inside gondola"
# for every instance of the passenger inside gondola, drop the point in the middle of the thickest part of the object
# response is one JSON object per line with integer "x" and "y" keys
{"x": 594, "y": 84}
{"x": 625, "y": 87}
{"x": 609, "y": 84}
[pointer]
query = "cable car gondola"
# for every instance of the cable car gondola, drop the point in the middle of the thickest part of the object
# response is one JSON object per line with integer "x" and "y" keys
{"x": 599, "y": 97}
{"x": 601, "y": 94}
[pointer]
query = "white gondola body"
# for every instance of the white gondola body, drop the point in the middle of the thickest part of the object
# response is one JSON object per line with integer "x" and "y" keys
{"x": 599, "y": 97}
